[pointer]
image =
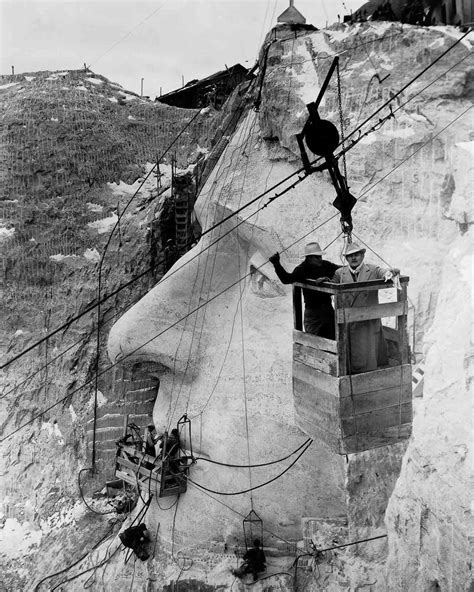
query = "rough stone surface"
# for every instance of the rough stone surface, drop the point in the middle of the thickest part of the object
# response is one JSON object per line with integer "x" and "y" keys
{"x": 221, "y": 347}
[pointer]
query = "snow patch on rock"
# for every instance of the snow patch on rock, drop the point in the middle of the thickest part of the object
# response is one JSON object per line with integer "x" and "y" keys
{"x": 92, "y": 255}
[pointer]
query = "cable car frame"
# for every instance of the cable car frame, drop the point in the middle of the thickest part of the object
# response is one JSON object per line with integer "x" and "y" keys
{"x": 352, "y": 412}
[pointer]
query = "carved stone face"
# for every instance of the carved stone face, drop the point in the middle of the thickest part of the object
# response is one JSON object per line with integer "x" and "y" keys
{"x": 218, "y": 328}
{"x": 218, "y": 332}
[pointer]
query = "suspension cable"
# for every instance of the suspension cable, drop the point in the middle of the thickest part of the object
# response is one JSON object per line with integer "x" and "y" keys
{"x": 236, "y": 212}
{"x": 88, "y": 382}
{"x": 196, "y": 309}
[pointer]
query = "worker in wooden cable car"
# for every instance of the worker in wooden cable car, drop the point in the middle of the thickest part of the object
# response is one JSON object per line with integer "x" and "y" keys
{"x": 150, "y": 439}
{"x": 318, "y": 312}
{"x": 367, "y": 349}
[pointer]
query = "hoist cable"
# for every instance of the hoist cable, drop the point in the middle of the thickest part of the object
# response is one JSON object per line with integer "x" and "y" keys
{"x": 225, "y": 219}
{"x": 88, "y": 382}
{"x": 197, "y": 308}
{"x": 253, "y": 466}
{"x": 255, "y": 486}
{"x": 130, "y": 282}
{"x": 146, "y": 271}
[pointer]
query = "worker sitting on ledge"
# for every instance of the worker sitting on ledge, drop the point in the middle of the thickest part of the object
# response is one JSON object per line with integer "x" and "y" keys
{"x": 318, "y": 312}
{"x": 367, "y": 349}
{"x": 254, "y": 562}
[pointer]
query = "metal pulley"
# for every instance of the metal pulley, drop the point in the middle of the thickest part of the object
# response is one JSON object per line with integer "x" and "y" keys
{"x": 321, "y": 136}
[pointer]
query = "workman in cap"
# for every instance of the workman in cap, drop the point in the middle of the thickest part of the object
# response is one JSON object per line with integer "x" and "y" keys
{"x": 367, "y": 349}
{"x": 318, "y": 310}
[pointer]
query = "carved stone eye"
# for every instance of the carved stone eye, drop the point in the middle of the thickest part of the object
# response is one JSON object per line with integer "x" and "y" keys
{"x": 262, "y": 286}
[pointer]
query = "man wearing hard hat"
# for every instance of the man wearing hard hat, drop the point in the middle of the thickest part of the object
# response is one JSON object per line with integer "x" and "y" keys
{"x": 367, "y": 348}
{"x": 318, "y": 310}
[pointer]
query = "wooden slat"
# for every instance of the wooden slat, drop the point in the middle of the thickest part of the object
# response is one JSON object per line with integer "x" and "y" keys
{"x": 402, "y": 326}
{"x": 365, "y": 313}
{"x": 315, "y": 378}
{"x": 297, "y": 308}
{"x": 314, "y": 341}
{"x": 376, "y": 380}
{"x": 331, "y": 440}
{"x": 318, "y": 359}
{"x": 125, "y": 476}
{"x": 366, "y": 402}
{"x": 390, "y": 435}
{"x": 320, "y": 407}
{"x": 376, "y": 421}
{"x": 333, "y": 288}
{"x": 342, "y": 341}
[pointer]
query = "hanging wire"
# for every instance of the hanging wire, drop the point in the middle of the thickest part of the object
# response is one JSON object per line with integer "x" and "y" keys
{"x": 201, "y": 305}
{"x": 301, "y": 170}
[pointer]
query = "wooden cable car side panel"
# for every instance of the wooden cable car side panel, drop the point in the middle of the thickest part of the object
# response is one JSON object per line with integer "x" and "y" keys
{"x": 352, "y": 413}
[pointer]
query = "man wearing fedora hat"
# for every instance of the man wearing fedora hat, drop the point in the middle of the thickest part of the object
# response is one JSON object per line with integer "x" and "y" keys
{"x": 318, "y": 310}
{"x": 367, "y": 349}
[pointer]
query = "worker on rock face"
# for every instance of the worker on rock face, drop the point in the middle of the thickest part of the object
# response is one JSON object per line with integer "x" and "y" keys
{"x": 367, "y": 349}
{"x": 318, "y": 312}
{"x": 254, "y": 562}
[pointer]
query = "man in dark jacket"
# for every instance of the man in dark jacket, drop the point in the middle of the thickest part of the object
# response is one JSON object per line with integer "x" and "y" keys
{"x": 254, "y": 562}
{"x": 318, "y": 313}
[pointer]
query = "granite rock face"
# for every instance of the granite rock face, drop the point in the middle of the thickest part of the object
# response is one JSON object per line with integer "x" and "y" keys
{"x": 230, "y": 359}
{"x": 217, "y": 330}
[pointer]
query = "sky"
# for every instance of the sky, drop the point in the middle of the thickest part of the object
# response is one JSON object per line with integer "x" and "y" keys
{"x": 161, "y": 41}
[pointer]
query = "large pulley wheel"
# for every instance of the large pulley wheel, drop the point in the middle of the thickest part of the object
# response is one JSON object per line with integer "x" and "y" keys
{"x": 321, "y": 137}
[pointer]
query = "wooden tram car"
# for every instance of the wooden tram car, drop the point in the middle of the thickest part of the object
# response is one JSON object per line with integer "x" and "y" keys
{"x": 352, "y": 412}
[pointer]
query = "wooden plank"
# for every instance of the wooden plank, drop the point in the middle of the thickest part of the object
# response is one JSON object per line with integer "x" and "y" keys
{"x": 297, "y": 308}
{"x": 376, "y": 380}
{"x": 402, "y": 326}
{"x": 126, "y": 477}
{"x": 366, "y": 402}
{"x": 318, "y": 359}
{"x": 334, "y": 288}
{"x": 314, "y": 341}
{"x": 391, "y": 435}
{"x": 140, "y": 469}
{"x": 365, "y": 313}
{"x": 377, "y": 421}
{"x": 342, "y": 339}
{"x": 320, "y": 407}
{"x": 331, "y": 440}
{"x": 315, "y": 378}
